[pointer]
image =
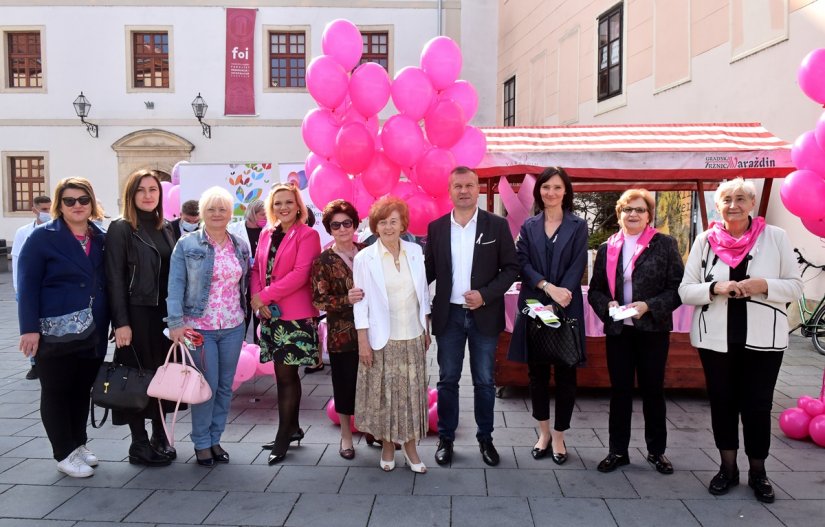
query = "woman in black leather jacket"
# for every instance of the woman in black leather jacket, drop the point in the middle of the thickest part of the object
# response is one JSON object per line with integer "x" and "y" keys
{"x": 138, "y": 248}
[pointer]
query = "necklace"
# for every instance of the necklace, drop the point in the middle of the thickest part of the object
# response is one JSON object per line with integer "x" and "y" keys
{"x": 84, "y": 242}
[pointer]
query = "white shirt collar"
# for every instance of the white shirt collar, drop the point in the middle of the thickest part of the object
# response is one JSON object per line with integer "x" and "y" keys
{"x": 474, "y": 219}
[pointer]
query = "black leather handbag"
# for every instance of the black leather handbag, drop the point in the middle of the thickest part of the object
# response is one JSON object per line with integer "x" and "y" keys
{"x": 561, "y": 345}
{"x": 120, "y": 387}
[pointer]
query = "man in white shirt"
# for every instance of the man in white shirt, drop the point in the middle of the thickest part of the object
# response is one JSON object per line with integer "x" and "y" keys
{"x": 42, "y": 206}
{"x": 471, "y": 255}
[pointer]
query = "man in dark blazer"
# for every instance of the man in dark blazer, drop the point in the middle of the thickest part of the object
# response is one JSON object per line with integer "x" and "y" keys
{"x": 471, "y": 255}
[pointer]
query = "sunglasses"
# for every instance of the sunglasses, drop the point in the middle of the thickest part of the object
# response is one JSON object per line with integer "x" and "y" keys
{"x": 83, "y": 200}
{"x": 335, "y": 225}
{"x": 637, "y": 210}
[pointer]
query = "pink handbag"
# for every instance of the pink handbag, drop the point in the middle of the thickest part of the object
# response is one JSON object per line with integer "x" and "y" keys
{"x": 179, "y": 382}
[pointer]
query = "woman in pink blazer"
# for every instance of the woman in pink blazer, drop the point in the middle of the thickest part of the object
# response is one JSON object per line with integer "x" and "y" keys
{"x": 282, "y": 299}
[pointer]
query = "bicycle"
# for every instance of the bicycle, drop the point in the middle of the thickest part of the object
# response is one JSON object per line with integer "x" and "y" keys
{"x": 812, "y": 320}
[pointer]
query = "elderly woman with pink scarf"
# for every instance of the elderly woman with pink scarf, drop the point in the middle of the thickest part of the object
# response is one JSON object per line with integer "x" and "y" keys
{"x": 638, "y": 269}
{"x": 740, "y": 275}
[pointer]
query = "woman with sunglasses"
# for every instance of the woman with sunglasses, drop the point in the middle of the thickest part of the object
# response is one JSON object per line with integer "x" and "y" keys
{"x": 331, "y": 285}
{"x": 640, "y": 269}
{"x": 61, "y": 276}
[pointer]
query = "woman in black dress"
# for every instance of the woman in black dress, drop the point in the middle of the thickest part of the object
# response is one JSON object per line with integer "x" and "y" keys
{"x": 138, "y": 248}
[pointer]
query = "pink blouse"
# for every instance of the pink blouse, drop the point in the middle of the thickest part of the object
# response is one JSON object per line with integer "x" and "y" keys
{"x": 223, "y": 310}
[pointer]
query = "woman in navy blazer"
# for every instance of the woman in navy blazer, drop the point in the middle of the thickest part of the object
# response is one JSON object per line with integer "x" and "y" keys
{"x": 552, "y": 254}
{"x": 60, "y": 269}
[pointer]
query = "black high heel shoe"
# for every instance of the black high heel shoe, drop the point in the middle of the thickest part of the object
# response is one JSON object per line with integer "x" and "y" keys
{"x": 206, "y": 461}
{"x": 296, "y": 436}
{"x": 219, "y": 454}
{"x": 275, "y": 458}
{"x": 559, "y": 459}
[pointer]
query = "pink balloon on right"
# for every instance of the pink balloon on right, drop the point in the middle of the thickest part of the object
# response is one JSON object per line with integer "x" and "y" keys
{"x": 412, "y": 92}
{"x": 464, "y": 94}
{"x": 806, "y": 153}
{"x": 796, "y": 192}
{"x": 811, "y": 75}
{"x": 815, "y": 227}
{"x": 342, "y": 41}
{"x": 441, "y": 61}
{"x": 432, "y": 416}
{"x": 816, "y": 429}
{"x": 470, "y": 149}
{"x": 433, "y": 171}
{"x": 794, "y": 423}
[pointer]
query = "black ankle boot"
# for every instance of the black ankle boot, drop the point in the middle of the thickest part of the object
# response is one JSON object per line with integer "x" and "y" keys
{"x": 162, "y": 447}
{"x": 142, "y": 453}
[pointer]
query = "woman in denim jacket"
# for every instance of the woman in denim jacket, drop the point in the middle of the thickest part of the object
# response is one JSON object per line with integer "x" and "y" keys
{"x": 207, "y": 293}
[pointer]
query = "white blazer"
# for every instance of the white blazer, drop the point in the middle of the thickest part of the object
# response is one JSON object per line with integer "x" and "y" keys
{"x": 373, "y": 312}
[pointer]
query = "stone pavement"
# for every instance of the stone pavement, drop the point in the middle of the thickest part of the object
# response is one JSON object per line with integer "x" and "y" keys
{"x": 314, "y": 486}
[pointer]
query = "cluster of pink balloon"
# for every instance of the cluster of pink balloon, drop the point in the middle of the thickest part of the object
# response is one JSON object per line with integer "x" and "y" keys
{"x": 171, "y": 193}
{"x": 432, "y": 414}
{"x": 803, "y": 191}
{"x": 250, "y": 366}
{"x": 352, "y": 159}
{"x": 806, "y": 419}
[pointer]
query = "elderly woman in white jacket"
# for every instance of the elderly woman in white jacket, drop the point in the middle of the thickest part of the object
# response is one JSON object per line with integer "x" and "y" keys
{"x": 392, "y": 308}
{"x": 740, "y": 274}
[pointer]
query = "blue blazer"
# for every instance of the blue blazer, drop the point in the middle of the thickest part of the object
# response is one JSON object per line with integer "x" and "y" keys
{"x": 56, "y": 277}
{"x": 565, "y": 270}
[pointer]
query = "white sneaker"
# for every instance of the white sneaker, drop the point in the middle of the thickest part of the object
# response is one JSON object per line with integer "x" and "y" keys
{"x": 74, "y": 466}
{"x": 87, "y": 456}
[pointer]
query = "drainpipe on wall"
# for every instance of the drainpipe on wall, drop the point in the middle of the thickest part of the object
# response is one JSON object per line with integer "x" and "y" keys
{"x": 439, "y": 17}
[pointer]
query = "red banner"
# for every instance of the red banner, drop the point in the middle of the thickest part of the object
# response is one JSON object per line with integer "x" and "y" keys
{"x": 240, "y": 81}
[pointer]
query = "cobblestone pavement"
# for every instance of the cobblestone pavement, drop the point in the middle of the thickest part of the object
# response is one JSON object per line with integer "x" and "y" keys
{"x": 314, "y": 486}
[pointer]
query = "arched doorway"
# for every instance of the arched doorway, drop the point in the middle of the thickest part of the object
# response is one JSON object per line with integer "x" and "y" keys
{"x": 149, "y": 149}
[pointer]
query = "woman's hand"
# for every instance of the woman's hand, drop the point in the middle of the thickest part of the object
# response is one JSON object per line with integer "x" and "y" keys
{"x": 29, "y": 343}
{"x": 364, "y": 354}
{"x": 123, "y": 336}
{"x": 355, "y": 295}
{"x": 753, "y": 286}
{"x": 427, "y": 341}
{"x": 261, "y": 310}
{"x": 176, "y": 335}
{"x": 612, "y": 304}
{"x": 560, "y": 295}
{"x": 641, "y": 307}
{"x": 729, "y": 288}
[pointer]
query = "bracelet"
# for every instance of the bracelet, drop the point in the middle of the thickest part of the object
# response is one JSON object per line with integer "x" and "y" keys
{"x": 713, "y": 288}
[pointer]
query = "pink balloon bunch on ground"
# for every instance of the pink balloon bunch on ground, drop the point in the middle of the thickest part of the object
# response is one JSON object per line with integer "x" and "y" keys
{"x": 803, "y": 191}
{"x": 352, "y": 159}
{"x": 432, "y": 414}
{"x": 806, "y": 419}
{"x": 250, "y": 366}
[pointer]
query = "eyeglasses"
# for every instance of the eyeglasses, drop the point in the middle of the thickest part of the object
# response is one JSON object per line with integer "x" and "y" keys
{"x": 83, "y": 200}
{"x": 637, "y": 210}
{"x": 335, "y": 225}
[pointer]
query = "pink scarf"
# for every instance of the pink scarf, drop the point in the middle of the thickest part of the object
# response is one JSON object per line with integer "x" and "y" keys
{"x": 614, "y": 252}
{"x": 732, "y": 250}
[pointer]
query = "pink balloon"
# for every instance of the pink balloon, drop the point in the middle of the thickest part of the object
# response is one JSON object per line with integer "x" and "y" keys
{"x": 369, "y": 88}
{"x": 803, "y": 400}
{"x": 796, "y": 192}
{"x": 464, "y": 94}
{"x": 811, "y": 75}
{"x": 312, "y": 161}
{"x": 441, "y": 61}
{"x": 814, "y": 407}
{"x": 175, "y": 174}
{"x": 806, "y": 153}
{"x": 794, "y": 423}
{"x": 246, "y": 366}
{"x": 236, "y": 385}
{"x": 342, "y": 41}
{"x": 444, "y": 124}
{"x": 381, "y": 176}
{"x": 816, "y": 429}
{"x": 423, "y": 210}
{"x": 444, "y": 205}
{"x": 412, "y": 92}
{"x": 470, "y": 149}
{"x": 265, "y": 368}
{"x": 432, "y": 396}
{"x": 362, "y": 199}
{"x": 403, "y": 140}
{"x": 331, "y": 413}
{"x": 819, "y": 132}
{"x": 319, "y": 130}
{"x": 354, "y": 148}
{"x": 433, "y": 170}
{"x": 172, "y": 208}
{"x": 432, "y": 418}
{"x": 328, "y": 182}
{"x": 403, "y": 189}
{"x": 327, "y": 81}
{"x": 344, "y": 109}
{"x": 815, "y": 227}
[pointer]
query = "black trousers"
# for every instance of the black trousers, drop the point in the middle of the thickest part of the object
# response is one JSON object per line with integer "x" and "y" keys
{"x": 641, "y": 355}
{"x": 65, "y": 386}
{"x": 539, "y": 373}
{"x": 344, "y": 366}
{"x": 741, "y": 383}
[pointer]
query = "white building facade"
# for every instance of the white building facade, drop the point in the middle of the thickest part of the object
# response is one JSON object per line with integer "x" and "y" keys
{"x": 116, "y": 52}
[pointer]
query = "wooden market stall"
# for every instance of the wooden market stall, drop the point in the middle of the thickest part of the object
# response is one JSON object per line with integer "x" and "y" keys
{"x": 658, "y": 157}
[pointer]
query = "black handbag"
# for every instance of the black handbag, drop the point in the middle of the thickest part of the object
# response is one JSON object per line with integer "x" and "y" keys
{"x": 120, "y": 387}
{"x": 561, "y": 345}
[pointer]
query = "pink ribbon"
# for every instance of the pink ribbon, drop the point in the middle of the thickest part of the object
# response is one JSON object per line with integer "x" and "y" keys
{"x": 518, "y": 206}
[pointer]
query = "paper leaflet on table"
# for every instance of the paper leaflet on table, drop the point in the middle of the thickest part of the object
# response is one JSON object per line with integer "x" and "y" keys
{"x": 622, "y": 312}
{"x": 545, "y": 313}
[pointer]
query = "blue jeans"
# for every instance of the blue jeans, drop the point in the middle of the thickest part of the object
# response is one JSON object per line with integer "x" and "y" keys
{"x": 451, "y": 342}
{"x": 217, "y": 359}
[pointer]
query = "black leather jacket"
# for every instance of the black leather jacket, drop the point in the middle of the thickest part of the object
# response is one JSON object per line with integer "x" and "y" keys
{"x": 132, "y": 269}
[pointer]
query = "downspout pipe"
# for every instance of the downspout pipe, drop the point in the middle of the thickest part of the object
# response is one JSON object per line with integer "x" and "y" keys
{"x": 438, "y": 4}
